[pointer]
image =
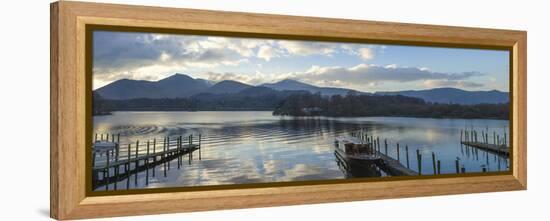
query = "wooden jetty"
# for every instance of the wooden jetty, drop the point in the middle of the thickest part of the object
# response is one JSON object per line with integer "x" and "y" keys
{"x": 381, "y": 159}
{"x": 122, "y": 161}
{"x": 498, "y": 146}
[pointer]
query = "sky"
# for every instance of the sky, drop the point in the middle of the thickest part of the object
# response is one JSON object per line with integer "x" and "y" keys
{"x": 358, "y": 66}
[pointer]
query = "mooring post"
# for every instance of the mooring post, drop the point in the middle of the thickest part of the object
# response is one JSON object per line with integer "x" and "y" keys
{"x": 163, "y": 157}
{"x": 438, "y": 167}
{"x": 498, "y": 147}
{"x": 505, "y": 141}
{"x": 167, "y": 149}
{"x": 378, "y": 143}
{"x": 127, "y": 166}
{"x": 407, "y": 151}
{"x": 117, "y": 168}
{"x": 433, "y": 162}
{"x": 200, "y": 138}
{"x": 457, "y": 166}
{"x": 179, "y": 152}
{"x": 386, "y": 146}
{"x": 398, "y": 153}
{"x": 137, "y": 164}
{"x": 117, "y": 151}
{"x": 419, "y": 161}
{"x": 147, "y": 165}
{"x": 108, "y": 174}
{"x": 154, "y": 155}
{"x": 189, "y": 150}
{"x": 494, "y": 138}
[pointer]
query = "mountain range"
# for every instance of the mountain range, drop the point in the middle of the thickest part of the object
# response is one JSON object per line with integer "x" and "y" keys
{"x": 183, "y": 86}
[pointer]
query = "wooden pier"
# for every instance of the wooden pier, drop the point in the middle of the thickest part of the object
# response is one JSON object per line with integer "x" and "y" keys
{"x": 394, "y": 167}
{"x": 118, "y": 162}
{"x": 389, "y": 165}
{"x": 499, "y": 143}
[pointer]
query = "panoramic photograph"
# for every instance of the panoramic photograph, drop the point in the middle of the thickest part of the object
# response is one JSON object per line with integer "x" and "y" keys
{"x": 175, "y": 110}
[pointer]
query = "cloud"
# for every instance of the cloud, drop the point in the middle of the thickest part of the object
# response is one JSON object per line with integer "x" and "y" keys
{"x": 303, "y": 48}
{"x": 267, "y": 52}
{"x": 366, "y": 53}
{"x": 145, "y": 56}
{"x": 256, "y": 79}
{"x": 451, "y": 83}
{"x": 372, "y": 75}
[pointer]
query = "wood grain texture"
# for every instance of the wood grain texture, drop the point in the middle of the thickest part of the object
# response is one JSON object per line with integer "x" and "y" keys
{"x": 68, "y": 103}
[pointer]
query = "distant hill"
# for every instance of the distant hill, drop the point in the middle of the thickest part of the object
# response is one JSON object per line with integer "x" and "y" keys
{"x": 293, "y": 85}
{"x": 183, "y": 86}
{"x": 454, "y": 95}
{"x": 175, "y": 86}
{"x": 227, "y": 87}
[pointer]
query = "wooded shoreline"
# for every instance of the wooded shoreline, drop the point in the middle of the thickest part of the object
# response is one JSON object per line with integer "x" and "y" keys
{"x": 307, "y": 104}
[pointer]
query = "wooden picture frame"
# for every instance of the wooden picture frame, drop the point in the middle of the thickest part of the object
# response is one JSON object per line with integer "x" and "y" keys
{"x": 70, "y": 100}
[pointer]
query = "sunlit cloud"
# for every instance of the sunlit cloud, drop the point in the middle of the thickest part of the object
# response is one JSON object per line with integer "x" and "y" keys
{"x": 144, "y": 56}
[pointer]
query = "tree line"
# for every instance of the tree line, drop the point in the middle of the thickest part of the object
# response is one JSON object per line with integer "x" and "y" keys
{"x": 307, "y": 104}
{"x": 353, "y": 105}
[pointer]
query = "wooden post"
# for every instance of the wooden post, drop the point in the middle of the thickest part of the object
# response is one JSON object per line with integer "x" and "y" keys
{"x": 433, "y": 162}
{"x": 378, "y": 143}
{"x": 498, "y": 146}
{"x": 147, "y": 165}
{"x": 95, "y": 139}
{"x": 407, "y": 151}
{"x": 108, "y": 174}
{"x": 200, "y": 138}
{"x": 179, "y": 152}
{"x": 137, "y": 164}
{"x": 189, "y": 148}
{"x": 101, "y": 137}
{"x": 419, "y": 160}
{"x": 167, "y": 149}
{"x": 398, "y": 153}
{"x": 386, "y": 146}
{"x": 438, "y": 167}
{"x": 127, "y": 167}
{"x": 457, "y": 166}
{"x": 154, "y": 155}
{"x": 164, "y": 155}
{"x": 117, "y": 155}
{"x": 505, "y": 141}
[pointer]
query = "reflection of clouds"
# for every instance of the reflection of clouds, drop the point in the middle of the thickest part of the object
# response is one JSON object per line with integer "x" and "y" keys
{"x": 299, "y": 171}
{"x": 264, "y": 148}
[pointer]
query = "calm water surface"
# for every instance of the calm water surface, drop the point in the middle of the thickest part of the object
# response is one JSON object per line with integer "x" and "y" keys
{"x": 252, "y": 147}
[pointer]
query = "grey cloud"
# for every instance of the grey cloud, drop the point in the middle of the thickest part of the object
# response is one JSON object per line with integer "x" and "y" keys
{"x": 119, "y": 51}
{"x": 364, "y": 74}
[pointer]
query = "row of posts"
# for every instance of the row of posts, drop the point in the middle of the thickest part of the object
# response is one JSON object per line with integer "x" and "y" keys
{"x": 150, "y": 153}
{"x": 472, "y": 137}
{"x": 436, "y": 164}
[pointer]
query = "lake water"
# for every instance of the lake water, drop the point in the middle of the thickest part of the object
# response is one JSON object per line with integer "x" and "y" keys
{"x": 253, "y": 147}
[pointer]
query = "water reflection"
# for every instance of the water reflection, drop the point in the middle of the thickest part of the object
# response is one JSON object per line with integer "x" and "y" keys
{"x": 252, "y": 147}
